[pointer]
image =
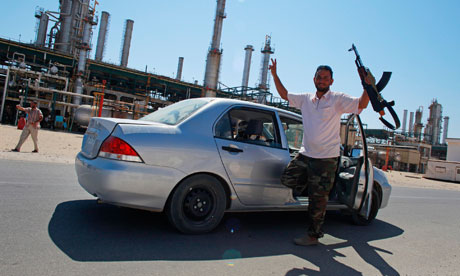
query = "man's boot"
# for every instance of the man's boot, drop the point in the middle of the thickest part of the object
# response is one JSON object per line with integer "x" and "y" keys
{"x": 306, "y": 241}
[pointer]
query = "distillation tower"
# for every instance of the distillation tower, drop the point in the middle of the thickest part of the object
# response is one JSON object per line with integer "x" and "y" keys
{"x": 266, "y": 52}
{"x": 433, "y": 127}
{"x": 418, "y": 123}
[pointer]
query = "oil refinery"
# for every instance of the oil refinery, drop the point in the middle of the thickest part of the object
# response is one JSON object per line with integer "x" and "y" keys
{"x": 57, "y": 71}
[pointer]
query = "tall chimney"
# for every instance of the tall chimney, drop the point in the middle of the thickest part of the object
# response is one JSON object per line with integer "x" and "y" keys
{"x": 211, "y": 76}
{"x": 446, "y": 126}
{"x": 411, "y": 124}
{"x": 247, "y": 66}
{"x": 126, "y": 42}
{"x": 404, "y": 122}
{"x": 179, "y": 68}
{"x": 100, "y": 47}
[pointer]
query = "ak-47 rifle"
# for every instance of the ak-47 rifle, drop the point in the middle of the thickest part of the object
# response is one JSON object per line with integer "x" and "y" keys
{"x": 373, "y": 91}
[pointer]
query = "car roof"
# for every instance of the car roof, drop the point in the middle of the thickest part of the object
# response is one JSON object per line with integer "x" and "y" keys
{"x": 252, "y": 104}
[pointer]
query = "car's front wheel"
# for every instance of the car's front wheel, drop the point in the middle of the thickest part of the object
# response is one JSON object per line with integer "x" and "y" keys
{"x": 375, "y": 205}
{"x": 197, "y": 205}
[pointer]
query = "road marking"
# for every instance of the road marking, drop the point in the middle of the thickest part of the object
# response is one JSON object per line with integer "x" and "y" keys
{"x": 424, "y": 197}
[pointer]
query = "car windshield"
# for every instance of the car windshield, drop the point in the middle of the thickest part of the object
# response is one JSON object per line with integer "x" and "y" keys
{"x": 175, "y": 113}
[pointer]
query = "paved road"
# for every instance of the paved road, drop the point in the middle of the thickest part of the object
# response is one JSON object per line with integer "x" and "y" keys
{"x": 51, "y": 226}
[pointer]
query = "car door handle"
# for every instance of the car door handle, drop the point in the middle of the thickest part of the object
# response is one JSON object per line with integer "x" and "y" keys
{"x": 232, "y": 149}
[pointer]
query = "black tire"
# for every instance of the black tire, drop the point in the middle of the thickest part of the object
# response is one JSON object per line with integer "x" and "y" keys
{"x": 197, "y": 205}
{"x": 375, "y": 205}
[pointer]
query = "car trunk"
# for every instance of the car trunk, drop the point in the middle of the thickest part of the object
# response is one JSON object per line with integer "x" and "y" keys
{"x": 98, "y": 130}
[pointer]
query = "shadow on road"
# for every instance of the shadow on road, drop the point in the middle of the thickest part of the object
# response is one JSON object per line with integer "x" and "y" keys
{"x": 89, "y": 232}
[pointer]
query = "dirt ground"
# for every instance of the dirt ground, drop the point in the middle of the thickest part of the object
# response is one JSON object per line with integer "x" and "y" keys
{"x": 62, "y": 147}
{"x": 54, "y": 146}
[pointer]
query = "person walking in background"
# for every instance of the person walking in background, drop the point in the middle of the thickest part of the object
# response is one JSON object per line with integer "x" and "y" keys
{"x": 34, "y": 117}
{"x": 316, "y": 163}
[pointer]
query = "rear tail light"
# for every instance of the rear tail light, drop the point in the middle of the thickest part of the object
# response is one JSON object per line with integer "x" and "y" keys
{"x": 115, "y": 148}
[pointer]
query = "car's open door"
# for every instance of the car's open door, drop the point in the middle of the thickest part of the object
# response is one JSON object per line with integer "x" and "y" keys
{"x": 354, "y": 181}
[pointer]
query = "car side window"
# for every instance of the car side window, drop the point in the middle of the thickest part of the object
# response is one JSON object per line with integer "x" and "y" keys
{"x": 249, "y": 126}
{"x": 223, "y": 128}
{"x": 294, "y": 132}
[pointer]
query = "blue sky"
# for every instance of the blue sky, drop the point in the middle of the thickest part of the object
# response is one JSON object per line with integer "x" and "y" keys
{"x": 417, "y": 40}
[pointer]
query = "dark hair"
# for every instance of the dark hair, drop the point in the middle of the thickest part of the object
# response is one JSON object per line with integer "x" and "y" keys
{"x": 324, "y": 67}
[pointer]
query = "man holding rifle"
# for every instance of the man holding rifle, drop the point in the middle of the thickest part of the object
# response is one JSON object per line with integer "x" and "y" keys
{"x": 317, "y": 159}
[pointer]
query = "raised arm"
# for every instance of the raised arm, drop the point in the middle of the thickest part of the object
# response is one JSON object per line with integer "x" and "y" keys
{"x": 363, "y": 100}
{"x": 279, "y": 86}
{"x": 19, "y": 107}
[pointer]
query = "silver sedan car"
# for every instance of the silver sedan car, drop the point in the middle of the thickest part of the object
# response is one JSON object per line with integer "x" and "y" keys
{"x": 198, "y": 158}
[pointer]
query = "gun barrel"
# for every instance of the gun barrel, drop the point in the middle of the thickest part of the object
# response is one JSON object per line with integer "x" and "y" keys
{"x": 353, "y": 48}
{"x": 359, "y": 62}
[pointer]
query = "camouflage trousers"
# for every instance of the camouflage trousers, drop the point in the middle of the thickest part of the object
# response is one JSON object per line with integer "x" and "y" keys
{"x": 317, "y": 176}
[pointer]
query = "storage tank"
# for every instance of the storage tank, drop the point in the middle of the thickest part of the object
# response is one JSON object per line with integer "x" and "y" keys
{"x": 85, "y": 112}
{"x": 126, "y": 42}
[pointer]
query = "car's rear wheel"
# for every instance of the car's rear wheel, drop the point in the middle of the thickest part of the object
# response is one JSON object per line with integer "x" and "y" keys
{"x": 375, "y": 205}
{"x": 197, "y": 205}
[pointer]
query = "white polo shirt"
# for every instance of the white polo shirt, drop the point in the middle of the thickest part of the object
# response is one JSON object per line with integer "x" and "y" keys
{"x": 321, "y": 121}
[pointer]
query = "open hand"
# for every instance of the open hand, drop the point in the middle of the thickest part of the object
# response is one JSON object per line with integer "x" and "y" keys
{"x": 272, "y": 67}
